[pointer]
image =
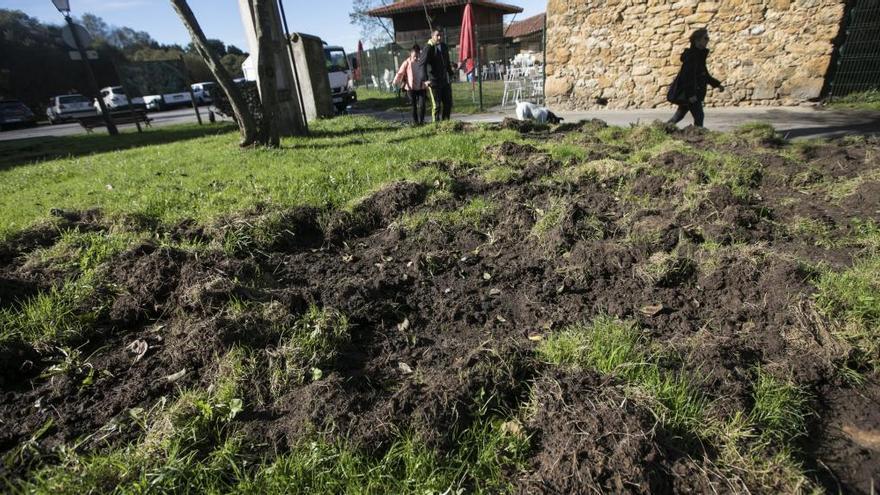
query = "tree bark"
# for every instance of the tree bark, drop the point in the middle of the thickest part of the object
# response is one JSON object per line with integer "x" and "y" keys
{"x": 266, "y": 59}
{"x": 247, "y": 125}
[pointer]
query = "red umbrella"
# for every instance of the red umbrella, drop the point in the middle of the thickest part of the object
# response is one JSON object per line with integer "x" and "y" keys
{"x": 466, "y": 46}
{"x": 360, "y": 57}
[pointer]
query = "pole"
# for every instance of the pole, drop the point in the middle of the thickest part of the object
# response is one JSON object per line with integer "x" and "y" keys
{"x": 302, "y": 103}
{"x": 478, "y": 68}
{"x": 108, "y": 119}
{"x": 188, "y": 82}
{"x": 544, "y": 63}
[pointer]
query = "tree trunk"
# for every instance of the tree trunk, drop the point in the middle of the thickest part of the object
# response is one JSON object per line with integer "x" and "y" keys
{"x": 246, "y": 123}
{"x": 266, "y": 68}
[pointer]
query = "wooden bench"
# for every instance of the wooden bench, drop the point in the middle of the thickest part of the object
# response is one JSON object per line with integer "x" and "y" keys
{"x": 119, "y": 118}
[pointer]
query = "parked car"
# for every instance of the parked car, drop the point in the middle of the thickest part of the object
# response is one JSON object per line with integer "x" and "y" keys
{"x": 202, "y": 92}
{"x": 15, "y": 113}
{"x": 340, "y": 75}
{"x": 167, "y": 100}
{"x": 69, "y": 107}
{"x": 114, "y": 99}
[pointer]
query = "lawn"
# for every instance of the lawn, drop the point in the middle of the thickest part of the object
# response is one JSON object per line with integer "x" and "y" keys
{"x": 453, "y": 308}
{"x": 191, "y": 171}
{"x": 865, "y": 100}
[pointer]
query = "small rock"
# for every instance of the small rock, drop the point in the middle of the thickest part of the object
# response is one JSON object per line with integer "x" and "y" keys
{"x": 404, "y": 368}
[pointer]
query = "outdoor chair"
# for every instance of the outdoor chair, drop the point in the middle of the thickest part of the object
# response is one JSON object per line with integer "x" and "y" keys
{"x": 513, "y": 88}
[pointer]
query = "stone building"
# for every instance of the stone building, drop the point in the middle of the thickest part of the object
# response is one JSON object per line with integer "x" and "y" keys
{"x": 624, "y": 53}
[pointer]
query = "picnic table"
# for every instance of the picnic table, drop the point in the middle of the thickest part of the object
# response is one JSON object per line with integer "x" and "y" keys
{"x": 119, "y": 117}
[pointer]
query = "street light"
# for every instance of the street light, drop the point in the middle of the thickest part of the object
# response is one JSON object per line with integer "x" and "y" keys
{"x": 63, "y": 6}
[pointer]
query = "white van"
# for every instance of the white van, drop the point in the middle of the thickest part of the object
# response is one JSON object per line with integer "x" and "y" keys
{"x": 341, "y": 79}
{"x": 202, "y": 92}
{"x": 69, "y": 107}
{"x": 114, "y": 98}
{"x": 167, "y": 100}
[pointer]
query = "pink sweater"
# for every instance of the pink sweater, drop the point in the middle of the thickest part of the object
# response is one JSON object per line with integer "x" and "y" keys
{"x": 405, "y": 74}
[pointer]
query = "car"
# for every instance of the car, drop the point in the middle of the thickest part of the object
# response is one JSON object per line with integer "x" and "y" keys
{"x": 202, "y": 92}
{"x": 15, "y": 113}
{"x": 115, "y": 99}
{"x": 167, "y": 100}
{"x": 69, "y": 107}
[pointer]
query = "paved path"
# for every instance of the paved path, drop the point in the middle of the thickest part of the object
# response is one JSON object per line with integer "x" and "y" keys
{"x": 793, "y": 122}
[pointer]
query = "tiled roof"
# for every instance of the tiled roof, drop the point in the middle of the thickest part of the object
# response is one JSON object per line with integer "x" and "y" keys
{"x": 406, "y": 6}
{"x": 525, "y": 27}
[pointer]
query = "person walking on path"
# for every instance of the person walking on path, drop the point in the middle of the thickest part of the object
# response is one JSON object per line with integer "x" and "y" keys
{"x": 412, "y": 79}
{"x": 688, "y": 90}
{"x": 438, "y": 72}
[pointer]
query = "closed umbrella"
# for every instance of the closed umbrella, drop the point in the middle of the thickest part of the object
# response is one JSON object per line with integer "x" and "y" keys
{"x": 360, "y": 57}
{"x": 467, "y": 48}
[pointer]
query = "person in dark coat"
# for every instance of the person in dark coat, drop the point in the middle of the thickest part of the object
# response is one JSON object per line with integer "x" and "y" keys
{"x": 438, "y": 74}
{"x": 692, "y": 79}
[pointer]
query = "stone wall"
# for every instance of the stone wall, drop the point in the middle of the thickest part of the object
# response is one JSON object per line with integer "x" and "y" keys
{"x": 624, "y": 53}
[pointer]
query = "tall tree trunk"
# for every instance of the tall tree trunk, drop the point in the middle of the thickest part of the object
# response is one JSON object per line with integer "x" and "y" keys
{"x": 266, "y": 59}
{"x": 247, "y": 125}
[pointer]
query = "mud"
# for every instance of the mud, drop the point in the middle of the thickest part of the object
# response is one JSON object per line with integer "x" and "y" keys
{"x": 441, "y": 317}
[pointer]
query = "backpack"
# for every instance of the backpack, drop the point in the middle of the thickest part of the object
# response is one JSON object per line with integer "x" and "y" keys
{"x": 675, "y": 95}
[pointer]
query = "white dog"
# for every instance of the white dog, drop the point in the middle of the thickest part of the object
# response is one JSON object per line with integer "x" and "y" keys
{"x": 529, "y": 111}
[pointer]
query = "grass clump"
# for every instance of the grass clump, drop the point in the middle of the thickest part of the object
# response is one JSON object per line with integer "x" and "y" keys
{"x": 664, "y": 269}
{"x": 475, "y": 214}
{"x": 852, "y": 298}
{"x": 758, "y": 133}
{"x": 726, "y": 169}
{"x": 500, "y": 173}
{"x": 779, "y": 408}
{"x": 52, "y": 318}
{"x": 86, "y": 251}
{"x": 549, "y": 218}
{"x": 617, "y": 348}
{"x": 305, "y": 349}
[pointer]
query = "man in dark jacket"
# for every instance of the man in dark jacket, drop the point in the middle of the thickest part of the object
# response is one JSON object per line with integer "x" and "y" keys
{"x": 438, "y": 72}
{"x": 690, "y": 85}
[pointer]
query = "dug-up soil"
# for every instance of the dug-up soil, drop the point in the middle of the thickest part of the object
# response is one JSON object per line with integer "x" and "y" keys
{"x": 442, "y": 313}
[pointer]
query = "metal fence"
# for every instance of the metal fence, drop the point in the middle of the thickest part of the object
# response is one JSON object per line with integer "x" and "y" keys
{"x": 858, "y": 62}
{"x": 508, "y": 69}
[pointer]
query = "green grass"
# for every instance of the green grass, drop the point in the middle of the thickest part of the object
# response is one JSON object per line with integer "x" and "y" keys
{"x": 617, "y": 348}
{"x": 207, "y": 176}
{"x": 757, "y": 447}
{"x": 852, "y": 298}
{"x": 475, "y": 215}
{"x": 779, "y": 408}
{"x": 51, "y": 318}
{"x": 865, "y": 100}
{"x": 307, "y": 348}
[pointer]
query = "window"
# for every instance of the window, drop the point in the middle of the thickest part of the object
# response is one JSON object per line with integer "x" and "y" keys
{"x": 67, "y": 100}
{"x": 336, "y": 61}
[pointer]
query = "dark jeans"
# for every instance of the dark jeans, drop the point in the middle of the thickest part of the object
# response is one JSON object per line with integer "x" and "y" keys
{"x": 441, "y": 102}
{"x": 696, "y": 109}
{"x": 417, "y": 99}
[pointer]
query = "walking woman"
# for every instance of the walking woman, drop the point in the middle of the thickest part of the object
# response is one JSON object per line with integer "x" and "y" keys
{"x": 688, "y": 90}
{"x": 412, "y": 77}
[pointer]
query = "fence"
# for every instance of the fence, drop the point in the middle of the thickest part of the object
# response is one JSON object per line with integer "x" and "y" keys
{"x": 858, "y": 62}
{"x": 510, "y": 68}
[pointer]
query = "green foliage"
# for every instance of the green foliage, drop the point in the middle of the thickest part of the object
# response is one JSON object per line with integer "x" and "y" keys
{"x": 852, "y": 298}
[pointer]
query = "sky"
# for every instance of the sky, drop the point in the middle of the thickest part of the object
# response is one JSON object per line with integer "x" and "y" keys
{"x": 327, "y": 19}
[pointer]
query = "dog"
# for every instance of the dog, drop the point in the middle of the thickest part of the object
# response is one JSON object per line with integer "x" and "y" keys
{"x": 529, "y": 111}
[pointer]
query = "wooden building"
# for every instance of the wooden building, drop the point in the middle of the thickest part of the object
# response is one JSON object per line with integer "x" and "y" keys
{"x": 414, "y": 19}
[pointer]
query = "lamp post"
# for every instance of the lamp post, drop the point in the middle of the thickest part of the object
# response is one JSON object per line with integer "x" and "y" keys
{"x": 63, "y": 6}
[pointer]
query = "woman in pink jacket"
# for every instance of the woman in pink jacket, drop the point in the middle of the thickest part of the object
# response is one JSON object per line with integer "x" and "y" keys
{"x": 411, "y": 75}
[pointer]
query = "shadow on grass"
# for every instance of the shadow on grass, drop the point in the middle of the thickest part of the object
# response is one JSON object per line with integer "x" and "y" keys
{"x": 25, "y": 151}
